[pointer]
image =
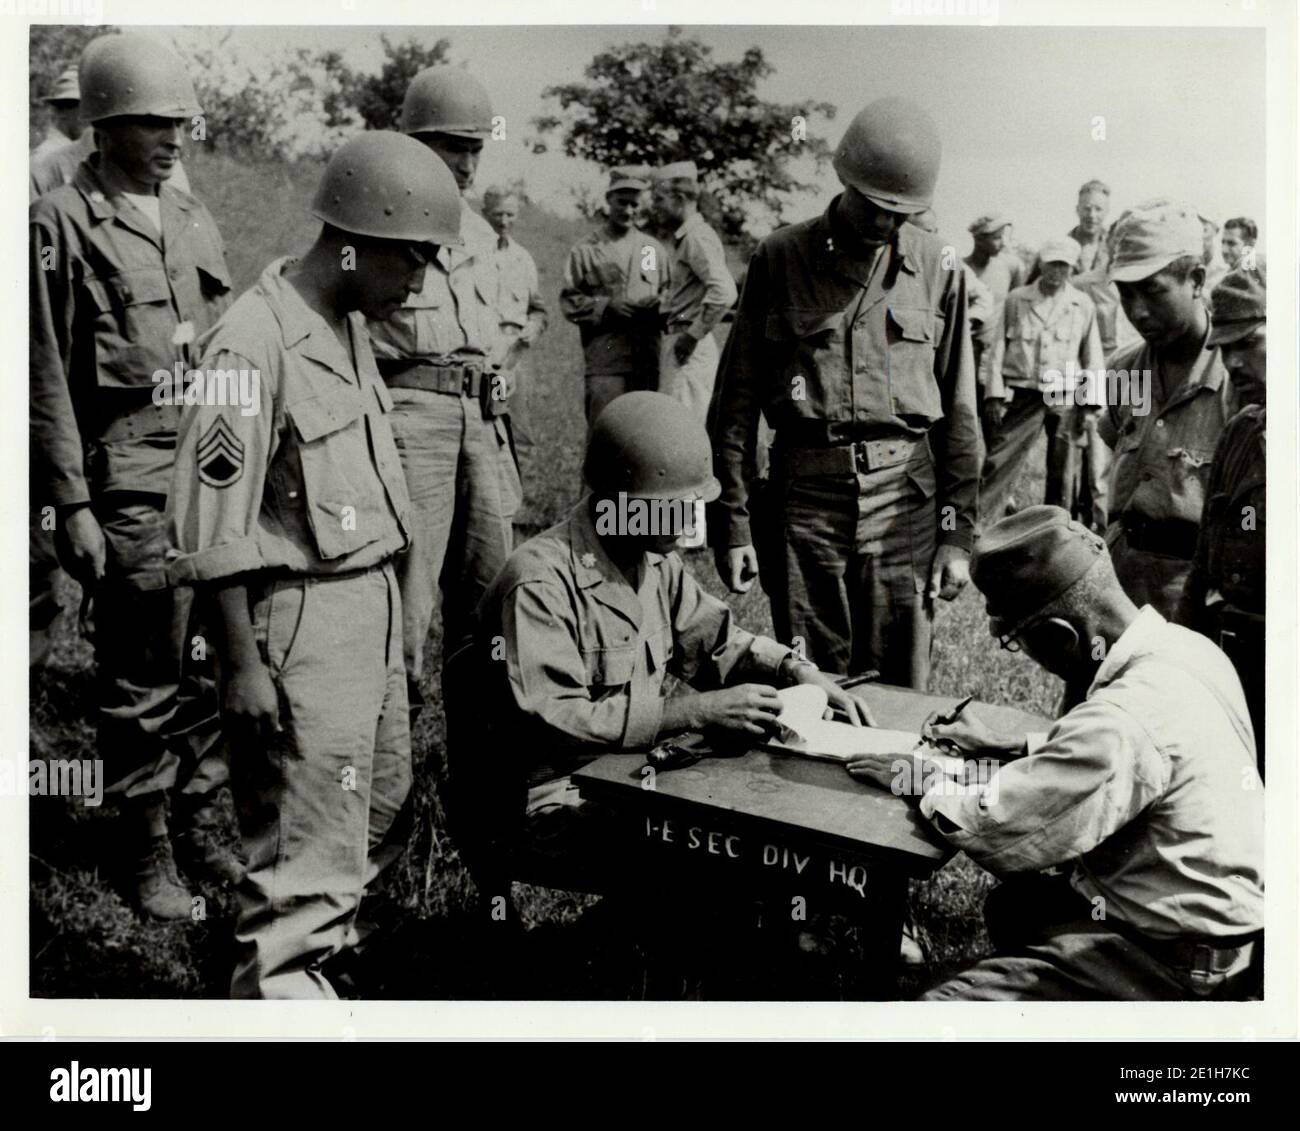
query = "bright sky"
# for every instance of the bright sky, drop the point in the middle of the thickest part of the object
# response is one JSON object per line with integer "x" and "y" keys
{"x": 1026, "y": 114}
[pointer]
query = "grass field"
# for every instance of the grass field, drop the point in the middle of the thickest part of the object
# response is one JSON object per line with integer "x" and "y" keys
{"x": 87, "y": 942}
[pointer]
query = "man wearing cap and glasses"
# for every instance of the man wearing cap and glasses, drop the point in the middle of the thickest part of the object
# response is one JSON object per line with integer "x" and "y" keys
{"x": 852, "y": 341}
{"x": 1224, "y": 595}
{"x": 1144, "y": 790}
{"x": 614, "y": 281}
{"x": 1168, "y": 402}
{"x": 1034, "y": 377}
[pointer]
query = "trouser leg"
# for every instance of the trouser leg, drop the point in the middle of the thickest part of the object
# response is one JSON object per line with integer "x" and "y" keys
{"x": 1049, "y": 947}
{"x": 893, "y": 619}
{"x": 157, "y": 704}
{"x": 42, "y": 576}
{"x": 599, "y": 391}
{"x": 487, "y": 498}
{"x": 806, "y": 574}
{"x": 318, "y": 803}
{"x": 1007, "y": 451}
{"x": 1148, "y": 578}
{"x": 428, "y": 429}
{"x": 1062, "y": 486}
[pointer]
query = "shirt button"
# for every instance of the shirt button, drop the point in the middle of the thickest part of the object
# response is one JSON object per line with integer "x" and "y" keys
{"x": 293, "y": 494}
{"x": 1160, "y": 423}
{"x": 1236, "y": 578}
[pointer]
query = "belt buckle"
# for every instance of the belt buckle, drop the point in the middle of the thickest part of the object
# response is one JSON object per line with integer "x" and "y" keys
{"x": 861, "y": 456}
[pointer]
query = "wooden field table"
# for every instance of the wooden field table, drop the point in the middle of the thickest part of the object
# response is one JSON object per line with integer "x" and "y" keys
{"x": 781, "y": 826}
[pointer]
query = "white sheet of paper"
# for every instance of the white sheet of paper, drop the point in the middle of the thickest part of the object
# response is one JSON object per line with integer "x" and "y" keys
{"x": 802, "y": 709}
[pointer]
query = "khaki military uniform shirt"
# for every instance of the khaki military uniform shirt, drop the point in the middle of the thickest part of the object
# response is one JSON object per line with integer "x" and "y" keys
{"x": 586, "y": 654}
{"x": 701, "y": 288}
{"x": 1162, "y": 459}
{"x": 309, "y": 482}
{"x": 633, "y": 267}
{"x": 519, "y": 295}
{"x": 831, "y": 349}
{"x": 454, "y": 316}
{"x": 1041, "y": 342}
{"x": 1147, "y": 788}
{"x": 114, "y": 302}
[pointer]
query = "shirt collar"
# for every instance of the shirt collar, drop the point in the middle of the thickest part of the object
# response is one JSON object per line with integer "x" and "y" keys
{"x": 1141, "y": 634}
{"x": 594, "y": 569}
{"x": 303, "y": 328}
{"x": 106, "y": 202}
{"x": 694, "y": 220}
{"x": 828, "y": 234}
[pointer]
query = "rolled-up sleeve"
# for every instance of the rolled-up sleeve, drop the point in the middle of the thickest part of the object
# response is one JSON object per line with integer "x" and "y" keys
{"x": 549, "y": 683}
{"x": 213, "y": 519}
{"x": 1094, "y": 772}
{"x": 577, "y": 303}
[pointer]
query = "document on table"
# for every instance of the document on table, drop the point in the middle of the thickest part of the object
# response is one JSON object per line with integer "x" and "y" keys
{"x": 803, "y": 731}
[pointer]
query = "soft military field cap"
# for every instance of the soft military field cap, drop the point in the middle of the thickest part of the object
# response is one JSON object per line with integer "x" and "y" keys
{"x": 65, "y": 88}
{"x": 1148, "y": 238}
{"x": 1237, "y": 306}
{"x": 629, "y": 177}
{"x": 1062, "y": 249}
{"x": 1025, "y": 561}
{"x": 677, "y": 171}
{"x": 987, "y": 225}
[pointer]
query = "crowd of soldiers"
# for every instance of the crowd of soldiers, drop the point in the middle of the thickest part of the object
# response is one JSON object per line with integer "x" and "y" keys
{"x": 264, "y": 572}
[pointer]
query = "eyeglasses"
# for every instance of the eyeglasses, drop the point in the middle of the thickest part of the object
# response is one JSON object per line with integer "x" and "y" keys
{"x": 1008, "y": 641}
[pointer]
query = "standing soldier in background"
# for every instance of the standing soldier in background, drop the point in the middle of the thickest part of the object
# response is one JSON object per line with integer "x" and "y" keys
{"x": 700, "y": 291}
{"x": 999, "y": 269}
{"x": 126, "y": 273}
{"x": 1164, "y": 431}
{"x": 56, "y": 164}
{"x": 1224, "y": 595}
{"x": 852, "y": 341}
{"x": 1215, "y": 267}
{"x": 1030, "y": 380}
{"x": 980, "y": 305}
{"x": 1089, "y": 276}
{"x": 291, "y": 516}
{"x": 519, "y": 303}
{"x": 65, "y": 125}
{"x": 440, "y": 356}
{"x": 1238, "y": 244}
{"x": 613, "y": 284}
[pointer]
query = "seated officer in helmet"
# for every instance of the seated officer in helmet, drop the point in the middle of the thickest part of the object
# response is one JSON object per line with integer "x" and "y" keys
{"x": 580, "y": 629}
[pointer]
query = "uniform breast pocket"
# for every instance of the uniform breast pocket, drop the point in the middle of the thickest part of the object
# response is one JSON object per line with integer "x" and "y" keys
{"x": 134, "y": 323}
{"x": 807, "y": 343}
{"x": 910, "y": 346}
{"x": 1189, "y": 471}
{"x": 344, "y": 495}
{"x": 609, "y": 669}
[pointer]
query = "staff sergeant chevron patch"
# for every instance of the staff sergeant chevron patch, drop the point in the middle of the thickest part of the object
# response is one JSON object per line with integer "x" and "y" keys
{"x": 220, "y": 455}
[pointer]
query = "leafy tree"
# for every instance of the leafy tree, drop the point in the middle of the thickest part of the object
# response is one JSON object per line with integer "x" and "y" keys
{"x": 651, "y": 103}
{"x": 52, "y": 49}
{"x": 378, "y": 98}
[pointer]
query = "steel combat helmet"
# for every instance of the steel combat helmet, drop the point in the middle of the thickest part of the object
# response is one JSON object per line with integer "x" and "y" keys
{"x": 446, "y": 100}
{"x": 388, "y": 186}
{"x": 132, "y": 74}
{"x": 890, "y": 154}
{"x": 649, "y": 446}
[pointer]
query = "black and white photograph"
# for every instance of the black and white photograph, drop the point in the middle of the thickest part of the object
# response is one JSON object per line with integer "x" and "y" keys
{"x": 639, "y": 512}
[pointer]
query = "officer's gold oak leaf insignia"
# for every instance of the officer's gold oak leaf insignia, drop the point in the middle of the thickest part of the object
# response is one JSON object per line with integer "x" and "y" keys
{"x": 220, "y": 455}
